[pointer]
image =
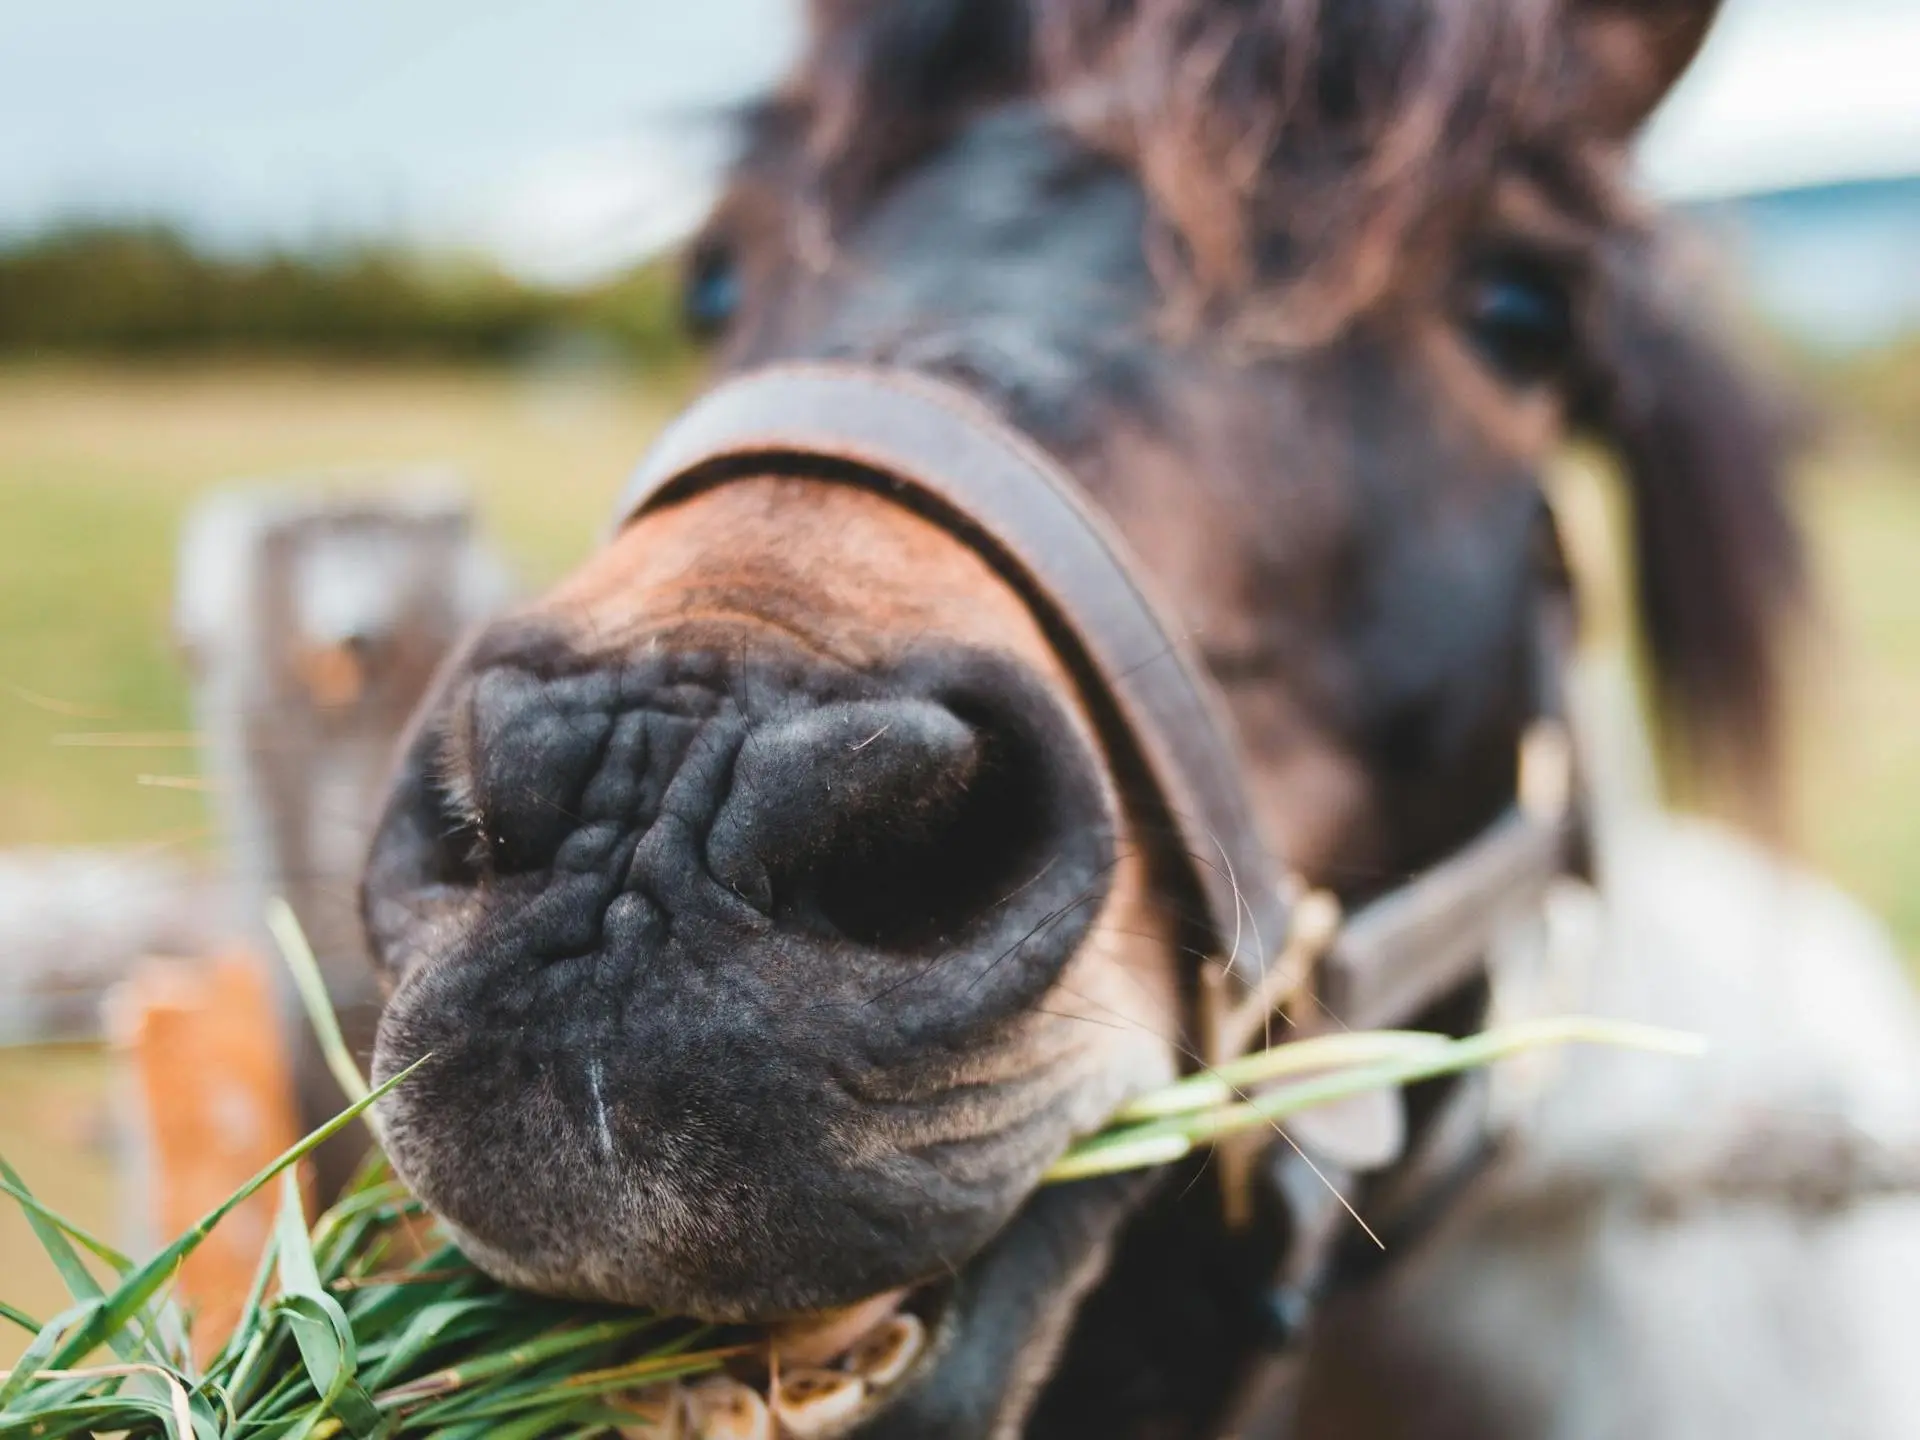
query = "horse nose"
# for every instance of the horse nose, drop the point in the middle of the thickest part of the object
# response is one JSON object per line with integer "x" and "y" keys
{"x": 906, "y": 820}
{"x": 649, "y": 911}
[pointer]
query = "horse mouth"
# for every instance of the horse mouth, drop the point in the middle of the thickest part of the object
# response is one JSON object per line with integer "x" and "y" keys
{"x": 827, "y": 1373}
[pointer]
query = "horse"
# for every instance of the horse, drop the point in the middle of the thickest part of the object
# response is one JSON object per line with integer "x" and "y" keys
{"x": 779, "y": 895}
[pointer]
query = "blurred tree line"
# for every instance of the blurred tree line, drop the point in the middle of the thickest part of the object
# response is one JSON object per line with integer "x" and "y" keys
{"x": 146, "y": 290}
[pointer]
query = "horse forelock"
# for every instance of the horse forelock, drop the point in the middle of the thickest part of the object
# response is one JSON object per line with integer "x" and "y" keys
{"x": 1293, "y": 152}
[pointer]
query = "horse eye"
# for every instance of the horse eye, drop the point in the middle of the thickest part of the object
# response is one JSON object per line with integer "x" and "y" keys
{"x": 712, "y": 292}
{"x": 1520, "y": 319}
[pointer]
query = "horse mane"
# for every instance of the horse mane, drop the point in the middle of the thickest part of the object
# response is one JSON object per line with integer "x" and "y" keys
{"x": 1704, "y": 446}
{"x": 1293, "y": 154}
{"x": 1291, "y": 149}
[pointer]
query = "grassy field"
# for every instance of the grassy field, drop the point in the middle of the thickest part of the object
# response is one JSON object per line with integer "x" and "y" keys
{"x": 97, "y": 467}
{"x": 98, "y": 463}
{"x": 1857, "y": 776}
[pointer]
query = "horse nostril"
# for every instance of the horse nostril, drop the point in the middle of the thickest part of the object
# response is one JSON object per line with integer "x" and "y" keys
{"x": 835, "y": 787}
{"x": 887, "y": 821}
{"x": 490, "y": 788}
{"x": 525, "y": 759}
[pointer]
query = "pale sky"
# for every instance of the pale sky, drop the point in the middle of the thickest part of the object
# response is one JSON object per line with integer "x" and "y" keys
{"x": 1794, "y": 92}
{"x": 566, "y": 135}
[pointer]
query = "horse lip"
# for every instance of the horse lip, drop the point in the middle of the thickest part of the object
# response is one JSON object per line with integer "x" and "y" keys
{"x": 819, "y": 1338}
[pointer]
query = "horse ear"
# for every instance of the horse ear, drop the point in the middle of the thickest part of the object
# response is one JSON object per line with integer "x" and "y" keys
{"x": 1705, "y": 449}
{"x": 1631, "y": 53}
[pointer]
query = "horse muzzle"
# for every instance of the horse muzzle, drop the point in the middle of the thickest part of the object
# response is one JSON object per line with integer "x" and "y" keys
{"x": 722, "y": 956}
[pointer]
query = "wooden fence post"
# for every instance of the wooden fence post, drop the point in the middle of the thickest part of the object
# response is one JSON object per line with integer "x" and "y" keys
{"x": 312, "y": 619}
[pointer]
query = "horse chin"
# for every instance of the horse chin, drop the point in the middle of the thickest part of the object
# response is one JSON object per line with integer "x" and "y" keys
{"x": 963, "y": 1354}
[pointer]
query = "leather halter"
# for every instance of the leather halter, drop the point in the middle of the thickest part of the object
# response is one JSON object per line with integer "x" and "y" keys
{"x": 1271, "y": 943}
{"x": 940, "y": 451}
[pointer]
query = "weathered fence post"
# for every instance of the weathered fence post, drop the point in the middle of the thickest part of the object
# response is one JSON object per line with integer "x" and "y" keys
{"x": 312, "y": 619}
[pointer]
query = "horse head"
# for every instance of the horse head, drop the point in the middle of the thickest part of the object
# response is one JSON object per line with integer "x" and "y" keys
{"x": 775, "y": 896}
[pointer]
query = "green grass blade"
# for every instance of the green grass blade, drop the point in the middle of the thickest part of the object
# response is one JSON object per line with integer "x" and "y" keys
{"x": 105, "y": 1415}
{"x": 297, "y": 1273}
{"x": 181, "y": 1415}
{"x": 325, "y": 1342}
{"x": 374, "y": 1169}
{"x": 320, "y": 1329}
{"x": 1111, "y": 1154}
{"x": 556, "y": 1383}
{"x": 176, "y": 1414}
{"x": 73, "y": 1271}
{"x": 250, "y": 1366}
{"x": 597, "y": 1384}
{"x": 337, "y": 1236}
{"x": 52, "y": 1232}
{"x": 143, "y": 1344}
{"x": 1162, "y": 1141}
{"x": 1223, "y": 1084}
{"x": 375, "y": 1308}
{"x": 119, "y": 1262}
{"x": 252, "y": 1429}
{"x": 45, "y": 1345}
{"x": 139, "y": 1287}
{"x": 207, "y": 1424}
{"x": 312, "y": 986}
{"x": 519, "y": 1357}
{"x": 19, "y": 1317}
{"x": 245, "y": 1325}
{"x": 526, "y": 1427}
{"x": 434, "y": 1324}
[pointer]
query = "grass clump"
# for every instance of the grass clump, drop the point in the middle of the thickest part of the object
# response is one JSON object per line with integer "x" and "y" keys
{"x": 364, "y": 1325}
{"x": 370, "y": 1323}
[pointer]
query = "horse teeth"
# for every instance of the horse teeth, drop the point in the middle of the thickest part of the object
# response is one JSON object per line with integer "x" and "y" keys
{"x": 818, "y": 1340}
{"x": 887, "y": 1353}
{"x": 818, "y": 1402}
{"x": 659, "y": 1413}
{"x": 723, "y": 1409}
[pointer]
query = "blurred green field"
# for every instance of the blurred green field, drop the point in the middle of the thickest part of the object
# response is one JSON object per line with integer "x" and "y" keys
{"x": 98, "y": 464}
{"x": 1857, "y": 757}
{"x": 99, "y": 461}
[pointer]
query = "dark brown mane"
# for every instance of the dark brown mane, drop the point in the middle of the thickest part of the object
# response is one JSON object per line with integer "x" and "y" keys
{"x": 1291, "y": 149}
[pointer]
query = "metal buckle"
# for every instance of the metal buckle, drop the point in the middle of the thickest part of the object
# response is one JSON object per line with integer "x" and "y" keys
{"x": 1228, "y": 1026}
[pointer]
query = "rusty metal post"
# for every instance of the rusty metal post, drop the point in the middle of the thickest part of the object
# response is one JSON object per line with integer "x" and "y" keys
{"x": 313, "y": 619}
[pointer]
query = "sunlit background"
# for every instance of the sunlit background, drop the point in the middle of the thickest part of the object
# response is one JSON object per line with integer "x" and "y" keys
{"x": 243, "y": 240}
